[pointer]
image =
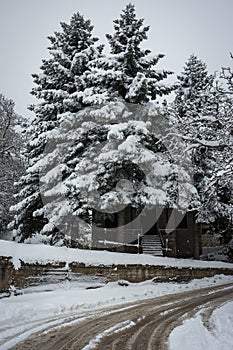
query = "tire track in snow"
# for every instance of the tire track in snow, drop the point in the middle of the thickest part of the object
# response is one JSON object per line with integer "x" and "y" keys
{"x": 153, "y": 321}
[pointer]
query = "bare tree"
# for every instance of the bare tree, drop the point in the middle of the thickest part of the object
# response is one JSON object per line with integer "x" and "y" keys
{"x": 227, "y": 74}
{"x": 10, "y": 163}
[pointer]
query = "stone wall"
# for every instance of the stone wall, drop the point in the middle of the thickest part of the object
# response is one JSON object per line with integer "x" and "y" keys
{"x": 24, "y": 276}
{"x": 140, "y": 273}
{"x": 6, "y": 273}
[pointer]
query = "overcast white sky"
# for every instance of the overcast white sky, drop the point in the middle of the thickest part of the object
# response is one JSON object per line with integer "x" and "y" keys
{"x": 178, "y": 29}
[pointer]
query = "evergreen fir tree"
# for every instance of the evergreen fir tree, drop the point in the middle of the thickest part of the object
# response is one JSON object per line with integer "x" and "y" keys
{"x": 128, "y": 72}
{"x": 69, "y": 127}
{"x": 109, "y": 79}
{"x": 222, "y": 181}
{"x": 193, "y": 88}
{"x": 203, "y": 116}
{"x": 91, "y": 177}
{"x": 57, "y": 87}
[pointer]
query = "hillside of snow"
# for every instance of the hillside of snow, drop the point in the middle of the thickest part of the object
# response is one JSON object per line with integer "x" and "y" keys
{"x": 43, "y": 254}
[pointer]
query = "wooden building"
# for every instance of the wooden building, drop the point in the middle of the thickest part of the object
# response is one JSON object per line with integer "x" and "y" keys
{"x": 156, "y": 231}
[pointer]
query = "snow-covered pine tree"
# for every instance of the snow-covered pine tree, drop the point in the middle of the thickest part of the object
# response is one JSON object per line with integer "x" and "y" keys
{"x": 222, "y": 182}
{"x": 128, "y": 72}
{"x": 88, "y": 151}
{"x": 106, "y": 144}
{"x": 193, "y": 88}
{"x": 202, "y": 117}
{"x": 57, "y": 89}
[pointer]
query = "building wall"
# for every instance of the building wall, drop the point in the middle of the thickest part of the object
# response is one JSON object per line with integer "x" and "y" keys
{"x": 181, "y": 236}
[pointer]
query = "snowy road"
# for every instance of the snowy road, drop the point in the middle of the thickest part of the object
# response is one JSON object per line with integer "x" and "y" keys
{"x": 140, "y": 325}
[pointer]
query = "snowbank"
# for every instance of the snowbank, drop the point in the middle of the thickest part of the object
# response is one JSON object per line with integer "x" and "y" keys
{"x": 43, "y": 254}
{"x": 192, "y": 334}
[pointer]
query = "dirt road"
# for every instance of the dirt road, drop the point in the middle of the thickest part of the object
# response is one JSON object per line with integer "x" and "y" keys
{"x": 144, "y": 325}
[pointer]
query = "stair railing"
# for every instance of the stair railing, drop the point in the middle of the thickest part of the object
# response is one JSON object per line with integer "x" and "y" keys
{"x": 161, "y": 238}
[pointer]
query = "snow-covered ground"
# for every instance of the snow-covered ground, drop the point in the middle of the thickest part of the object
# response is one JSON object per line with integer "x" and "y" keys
{"x": 33, "y": 253}
{"x": 193, "y": 335}
{"x": 50, "y": 306}
{"x": 55, "y": 305}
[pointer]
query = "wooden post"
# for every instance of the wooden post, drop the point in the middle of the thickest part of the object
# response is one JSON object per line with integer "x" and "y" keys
{"x": 120, "y": 228}
{"x": 196, "y": 245}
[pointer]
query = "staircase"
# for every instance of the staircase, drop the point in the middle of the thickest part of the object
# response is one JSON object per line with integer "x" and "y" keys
{"x": 151, "y": 244}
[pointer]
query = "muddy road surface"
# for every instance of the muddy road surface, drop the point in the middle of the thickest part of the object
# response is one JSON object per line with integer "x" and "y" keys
{"x": 144, "y": 325}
